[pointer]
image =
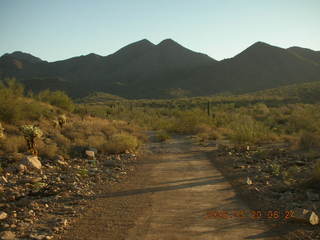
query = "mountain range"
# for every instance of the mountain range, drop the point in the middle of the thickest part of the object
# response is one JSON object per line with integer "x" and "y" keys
{"x": 145, "y": 70}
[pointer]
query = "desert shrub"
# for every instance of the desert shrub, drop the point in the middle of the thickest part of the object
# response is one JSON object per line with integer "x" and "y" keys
{"x": 261, "y": 109}
{"x": 49, "y": 150}
{"x": 57, "y": 98}
{"x": 303, "y": 118}
{"x": 247, "y": 130}
{"x": 309, "y": 140}
{"x": 96, "y": 141}
{"x": 120, "y": 143}
{"x": 162, "y": 135}
{"x": 13, "y": 144}
{"x": 188, "y": 121}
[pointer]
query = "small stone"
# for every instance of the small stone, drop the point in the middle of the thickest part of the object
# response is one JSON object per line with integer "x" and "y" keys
{"x": 93, "y": 150}
{"x": 314, "y": 219}
{"x": 8, "y": 235}
{"x": 90, "y": 154}
{"x": 38, "y": 236}
{"x": 63, "y": 163}
{"x": 249, "y": 181}
{"x": 4, "y": 179}
{"x": 3, "y": 215}
{"x": 22, "y": 168}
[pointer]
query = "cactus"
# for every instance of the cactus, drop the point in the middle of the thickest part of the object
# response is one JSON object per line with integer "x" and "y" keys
{"x": 55, "y": 123}
{"x": 30, "y": 133}
{"x": 62, "y": 119}
{"x": 1, "y": 131}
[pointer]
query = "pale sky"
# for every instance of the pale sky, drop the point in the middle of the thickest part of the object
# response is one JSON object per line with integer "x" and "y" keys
{"x": 59, "y": 29}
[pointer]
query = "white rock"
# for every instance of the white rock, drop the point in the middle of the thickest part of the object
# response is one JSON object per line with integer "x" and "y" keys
{"x": 313, "y": 219}
{"x": 4, "y": 179}
{"x": 249, "y": 181}
{"x": 3, "y": 215}
{"x": 32, "y": 162}
{"x": 21, "y": 168}
{"x": 90, "y": 153}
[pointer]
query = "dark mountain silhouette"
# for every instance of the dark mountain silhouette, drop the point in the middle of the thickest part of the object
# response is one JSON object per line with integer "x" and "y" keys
{"x": 306, "y": 54}
{"x": 145, "y": 70}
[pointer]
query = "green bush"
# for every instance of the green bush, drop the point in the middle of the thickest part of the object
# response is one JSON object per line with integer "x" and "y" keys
{"x": 57, "y": 98}
{"x": 187, "y": 122}
{"x": 120, "y": 143}
{"x": 247, "y": 130}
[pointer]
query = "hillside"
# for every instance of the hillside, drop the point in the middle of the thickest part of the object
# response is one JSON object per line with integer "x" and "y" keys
{"x": 302, "y": 92}
{"x": 145, "y": 70}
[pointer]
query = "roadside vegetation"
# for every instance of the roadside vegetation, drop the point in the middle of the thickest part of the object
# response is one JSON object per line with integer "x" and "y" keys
{"x": 288, "y": 116}
{"x": 63, "y": 132}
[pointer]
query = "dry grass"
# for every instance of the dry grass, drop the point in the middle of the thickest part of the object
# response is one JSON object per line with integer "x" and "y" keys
{"x": 120, "y": 143}
{"x": 74, "y": 137}
{"x": 309, "y": 140}
{"x": 13, "y": 144}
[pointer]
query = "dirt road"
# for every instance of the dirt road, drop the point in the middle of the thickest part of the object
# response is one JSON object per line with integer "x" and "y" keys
{"x": 176, "y": 196}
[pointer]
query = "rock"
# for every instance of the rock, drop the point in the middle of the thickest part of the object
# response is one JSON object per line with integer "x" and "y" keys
{"x": 62, "y": 163}
{"x": 90, "y": 154}
{"x": 32, "y": 162}
{"x": 305, "y": 215}
{"x": 38, "y": 236}
{"x": 4, "y": 179}
{"x": 8, "y": 235}
{"x": 21, "y": 168}
{"x": 3, "y": 215}
{"x": 314, "y": 219}
{"x": 249, "y": 181}
{"x": 93, "y": 150}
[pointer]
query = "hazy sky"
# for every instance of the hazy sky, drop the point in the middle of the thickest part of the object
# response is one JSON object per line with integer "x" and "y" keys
{"x": 59, "y": 29}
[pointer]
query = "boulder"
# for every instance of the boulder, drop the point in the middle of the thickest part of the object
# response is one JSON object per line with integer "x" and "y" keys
{"x": 32, "y": 162}
{"x": 8, "y": 235}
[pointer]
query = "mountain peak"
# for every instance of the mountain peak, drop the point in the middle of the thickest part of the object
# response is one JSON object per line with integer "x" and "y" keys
{"x": 22, "y": 56}
{"x": 260, "y": 44}
{"x": 141, "y": 45}
{"x": 168, "y": 42}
